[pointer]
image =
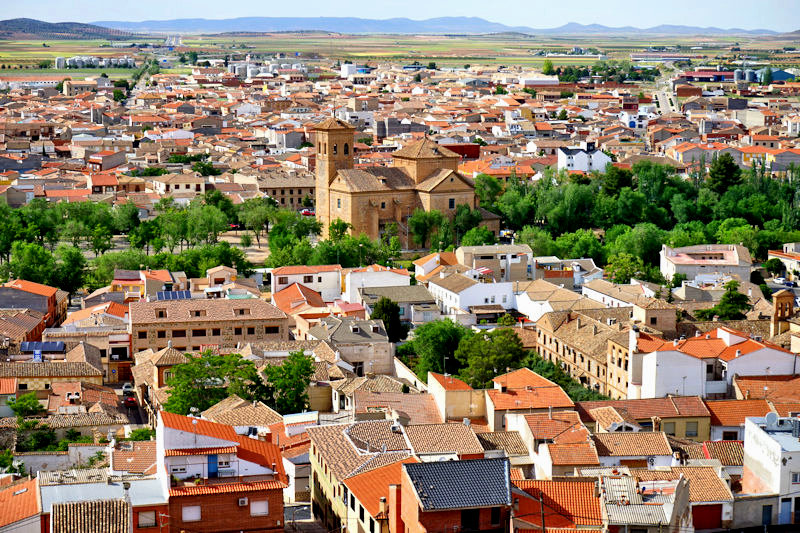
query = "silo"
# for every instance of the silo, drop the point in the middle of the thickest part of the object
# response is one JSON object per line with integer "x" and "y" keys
{"x": 750, "y": 75}
{"x": 737, "y": 75}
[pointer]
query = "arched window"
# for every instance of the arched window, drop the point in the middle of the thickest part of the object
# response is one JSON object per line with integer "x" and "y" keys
{"x": 346, "y": 149}
{"x": 335, "y": 149}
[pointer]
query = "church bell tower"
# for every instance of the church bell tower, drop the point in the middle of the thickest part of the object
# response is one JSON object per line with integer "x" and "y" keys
{"x": 333, "y": 139}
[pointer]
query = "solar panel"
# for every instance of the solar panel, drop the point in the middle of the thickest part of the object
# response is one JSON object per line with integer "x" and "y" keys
{"x": 173, "y": 295}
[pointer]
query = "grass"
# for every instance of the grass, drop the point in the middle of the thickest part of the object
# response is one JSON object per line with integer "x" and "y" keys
{"x": 115, "y": 73}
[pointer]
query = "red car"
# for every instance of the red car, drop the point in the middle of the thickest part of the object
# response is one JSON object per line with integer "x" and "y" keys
{"x": 130, "y": 401}
{"x": 307, "y": 212}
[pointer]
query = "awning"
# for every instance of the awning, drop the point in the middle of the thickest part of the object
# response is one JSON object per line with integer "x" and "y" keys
{"x": 484, "y": 270}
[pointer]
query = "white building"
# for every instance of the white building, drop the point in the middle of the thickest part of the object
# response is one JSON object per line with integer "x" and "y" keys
{"x": 732, "y": 259}
{"x": 325, "y": 279}
{"x": 704, "y": 365}
{"x": 586, "y": 158}
{"x": 456, "y": 294}
{"x": 772, "y": 465}
{"x": 373, "y": 276}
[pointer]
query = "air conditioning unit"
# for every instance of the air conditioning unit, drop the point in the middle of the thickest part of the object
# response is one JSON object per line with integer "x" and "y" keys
{"x": 242, "y": 502}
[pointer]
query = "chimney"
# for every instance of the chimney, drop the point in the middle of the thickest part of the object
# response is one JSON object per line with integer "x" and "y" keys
{"x": 747, "y": 394}
{"x": 697, "y": 333}
{"x": 594, "y": 329}
{"x": 396, "y": 524}
{"x": 578, "y": 322}
{"x": 383, "y": 506}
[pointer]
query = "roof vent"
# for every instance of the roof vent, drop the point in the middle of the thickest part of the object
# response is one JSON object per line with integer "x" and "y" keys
{"x": 738, "y": 353}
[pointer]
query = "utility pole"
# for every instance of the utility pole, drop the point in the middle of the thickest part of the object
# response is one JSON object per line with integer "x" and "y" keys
{"x": 541, "y": 508}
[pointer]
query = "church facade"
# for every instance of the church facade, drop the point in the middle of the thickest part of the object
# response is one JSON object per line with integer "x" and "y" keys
{"x": 423, "y": 175}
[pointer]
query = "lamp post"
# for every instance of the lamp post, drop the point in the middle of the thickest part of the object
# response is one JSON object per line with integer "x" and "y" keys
{"x": 360, "y": 255}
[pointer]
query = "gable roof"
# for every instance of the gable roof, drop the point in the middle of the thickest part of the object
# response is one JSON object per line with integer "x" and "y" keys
{"x": 632, "y": 444}
{"x": 443, "y": 438}
{"x": 733, "y": 412}
{"x": 18, "y": 501}
{"x": 424, "y": 149}
{"x": 370, "y": 487}
{"x": 234, "y": 411}
{"x": 567, "y": 504}
{"x": 480, "y": 482}
{"x": 645, "y": 408}
{"x": 98, "y": 516}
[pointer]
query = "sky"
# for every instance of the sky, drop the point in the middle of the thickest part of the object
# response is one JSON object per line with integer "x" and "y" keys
{"x": 778, "y": 15}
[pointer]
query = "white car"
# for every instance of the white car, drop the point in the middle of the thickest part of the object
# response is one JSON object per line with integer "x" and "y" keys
{"x": 127, "y": 389}
{"x": 780, "y": 280}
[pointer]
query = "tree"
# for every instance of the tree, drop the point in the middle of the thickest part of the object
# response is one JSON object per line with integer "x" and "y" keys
{"x": 25, "y": 406}
{"x": 540, "y": 241}
{"x": 774, "y": 266}
{"x": 205, "y": 223}
{"x": 723, "y": 174}
{"x": 126, "y": 216}
{"x": 435, "y": 344}
{"x": 731, "y": 306}
{"x": 204, "y": 381}
{"x": 8, "y": 465}
{"x": 206, "y": 168}
{"x": 388, "y": 311}
{"x": 31, "y": 262}
{"x": 615, "y": 179}
{"x": 119, "y": 95}
{"x": 766, "y": 78}
{"x": 487, "y": 189}
{"x": 547, "y": 68}
{"x": 500, "y": 90}
{"x": 506, "y": 320}
{"x": 100, "y": 241}
{"x": 562, "y": 115}
{"x": 485, "y": 355}
{"x": 142, "y": 434}
{"x": 622, "y": 267}
{"x": 338, "y": 229}
{"x": 70, "y": 269}
{"x": 478, "y": 236}
{"x": 289, "y": 383}
{"x": 422, "y": 223}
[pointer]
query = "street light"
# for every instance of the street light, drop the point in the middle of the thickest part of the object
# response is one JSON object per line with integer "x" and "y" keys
{"x": 360, "y": 257}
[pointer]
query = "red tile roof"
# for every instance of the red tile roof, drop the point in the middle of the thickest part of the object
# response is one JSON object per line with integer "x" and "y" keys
{"x": 8, "y": 385}
{"x": 733, "y": 412}
{"x": 225, "y": 488}
{"x": 33, "y": 288}
{"x": 199, "y": 451}
{"x": 729, "y": 452}
{"x": 370, "y": 486}
{"x": 535, "y": 398}
{"x": 561, "y": 427}
{"x": 449, "y": 383}
{"x": 567, "y": 504}
{"x": 774, "y": 388}
{"x": 643, "y": 409}
{"x": 304, "y": 269}
{"x": 18, "y": 501}
{"x": 519, "y": 379}
{"x": 573, "y": 453}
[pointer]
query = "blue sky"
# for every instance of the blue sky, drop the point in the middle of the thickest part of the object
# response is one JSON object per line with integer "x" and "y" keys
{"x": 779, "y": 15}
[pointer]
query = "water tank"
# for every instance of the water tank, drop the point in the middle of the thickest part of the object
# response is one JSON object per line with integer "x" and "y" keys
{"x": 737, "y": 74}
{"x": 240, "y": 70}
{"x": 750, "y": 74}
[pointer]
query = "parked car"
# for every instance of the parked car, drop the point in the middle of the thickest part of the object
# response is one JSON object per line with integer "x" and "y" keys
{"x": 780, "y": 280}
{"x": 127, "y": 389}
{"x": 790, "y": 284}
{"x": 130, "y": 401}
{"x": 307, "y": 212}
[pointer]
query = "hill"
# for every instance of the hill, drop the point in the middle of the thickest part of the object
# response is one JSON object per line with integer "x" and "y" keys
{"x": 37, "y": 29}
{"x": 441, "y": 25}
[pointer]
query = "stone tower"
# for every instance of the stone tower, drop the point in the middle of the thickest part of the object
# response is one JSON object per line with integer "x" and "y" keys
{"x": 334, "y": 143}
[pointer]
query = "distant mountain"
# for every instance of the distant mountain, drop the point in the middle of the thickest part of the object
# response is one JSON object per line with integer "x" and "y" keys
{"x": 36, "y": 29}
{"x": 442, "y": 25}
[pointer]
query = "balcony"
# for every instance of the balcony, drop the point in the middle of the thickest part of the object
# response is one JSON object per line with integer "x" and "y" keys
{"x": 716, "y": 387}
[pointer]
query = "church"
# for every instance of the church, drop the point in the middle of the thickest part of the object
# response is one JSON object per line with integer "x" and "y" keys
{"x": 424, "y": 175}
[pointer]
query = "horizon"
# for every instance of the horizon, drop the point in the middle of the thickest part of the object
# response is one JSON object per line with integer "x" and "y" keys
{"x": 775, "y": 15}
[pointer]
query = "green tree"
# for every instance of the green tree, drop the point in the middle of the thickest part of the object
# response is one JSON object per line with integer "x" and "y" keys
{"x": 119, "y": 95}
{"x": 435, "y": 344}
{"x": 485, "y": 355}
{"x": 615, "y": 179}
{"x": 562, "y": 115}
{"x": 337, "y": 229}
{"x": 500, "y": 90}
{"x": 289, "y": 383}
{"x": 547, "y": 68}
{"x": 8, "y": 465}
{"x": 732, "y": 305}
{"x": 31, "y": 262}
{"x": 206, "y": 168}
{"x": 477, "y": 236}
{"x": 26, "y": 405}
{"x": 774, "y": 266}
{"x": 388, "y": 311}
{"x": 723, "y": 174}
{"x": 422, "y": 223}
{"x": 506, "y": 320}
{"x": 70, "y": 268}
{"x": 205, "y": 223}
{"x": 100, "y": 241}
{"x": 204, "y": 381}
{"x": 766, "y": 77}
{"x": 255, "y": 215}
{"x": 142, "y": 434}
{"x": 126, "y": 217}
{"x": 622, "y": 267}
{"x": 487, "y": 189}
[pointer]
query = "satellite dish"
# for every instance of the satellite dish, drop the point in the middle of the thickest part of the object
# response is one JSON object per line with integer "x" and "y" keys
{"x": 772, "y": 420}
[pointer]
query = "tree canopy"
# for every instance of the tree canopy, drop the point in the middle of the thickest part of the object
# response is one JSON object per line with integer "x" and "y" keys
{"x": 389, "y": 312}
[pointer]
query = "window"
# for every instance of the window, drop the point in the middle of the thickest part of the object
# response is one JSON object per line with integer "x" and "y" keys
{"x": 451, "y": 203}
{"x": 23, "y": 386}
{"x": 251, "y": 331}
{"x": 283, "y": 280}
{"x": 361, "y": 512}
{"x": 190, "y": 513}
{"x": 335, "y": 148}
{"x": 358, "y": 368}
{"x": 308, "y": 279}
{"x": 142, "y": 334}
{"x": 237, "y": 331}
{"x": 653, "y": 320}
{"x": 272, "y": 330}
{"x": 346, "y": 149}
{"x": 691, "y": 429}
{"x": 730, "y": 435}
{"x": 402, "y": 311}
{"x": 199, "y": 312}
{"x": 795, "y": 477}
{"x": 146, "y": 519}
{"x": 371, "y": 525}
{"x": 161, "y": 334}
{"x": 259, "y": 508}
{"x": 669, "y": 428}
{"x": 383, "y": 205}
{"x": 352, "y": 503}
{"x": 241, "y": 311}
{"x": 495, "y": 516}
{"x": 199, "y": 332}
{"x": 178, "y": 469}
{"x": 161, "y": 313}
{"x": 178, "y": 332}
{"x": 338, "y": 203}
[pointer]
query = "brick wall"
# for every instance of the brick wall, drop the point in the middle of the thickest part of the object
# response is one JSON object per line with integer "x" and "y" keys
{"x": 222, "y": 513}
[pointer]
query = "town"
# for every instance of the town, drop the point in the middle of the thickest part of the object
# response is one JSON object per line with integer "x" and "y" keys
{"x": 268, "y": 291}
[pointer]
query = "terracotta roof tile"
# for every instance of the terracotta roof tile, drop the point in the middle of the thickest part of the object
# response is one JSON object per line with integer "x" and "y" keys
{"x": 98, "y": 516}
{"x": 729, "y": 452}
{"x": 18, "y": 501}
{"x": 573, "y": 453}
{"x": 443, "y": 438}
{"x": 632, "y": 444}
{"x": 226, "y": 488}
{"x": 733, "y": 412}
{"x": 567, "y": 504}
{"x": 449, "y": 383}
{"x": 370, "y": 486}
{"x": 704, "y": 483}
